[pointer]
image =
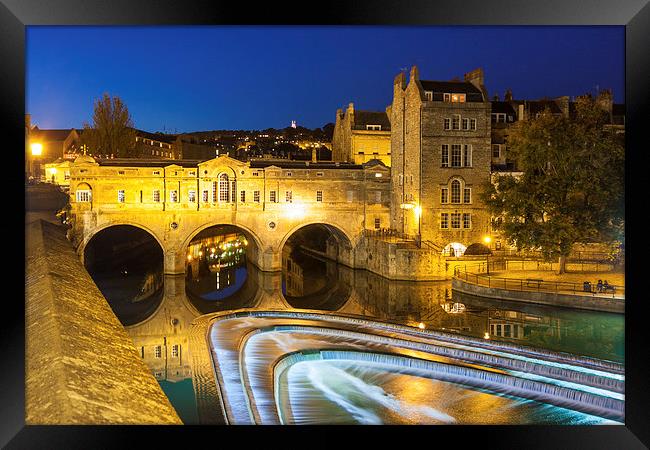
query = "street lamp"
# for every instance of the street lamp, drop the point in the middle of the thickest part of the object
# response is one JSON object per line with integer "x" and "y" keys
{"x": 37, "y": 150}
{"x": 418, "y": 213}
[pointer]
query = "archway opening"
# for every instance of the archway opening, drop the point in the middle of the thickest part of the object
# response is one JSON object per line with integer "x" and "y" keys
{"x": 312, "y": 277}
{"x": 454, "y": 249}
{"x": 126, "y": 264}
{"x": 220, "y": 271}
{"x": 477, "y": 249}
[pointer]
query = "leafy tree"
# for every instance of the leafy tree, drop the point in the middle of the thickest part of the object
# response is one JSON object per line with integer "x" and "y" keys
{"x": 112, "y": 131}
{"x": 572, "y": 187}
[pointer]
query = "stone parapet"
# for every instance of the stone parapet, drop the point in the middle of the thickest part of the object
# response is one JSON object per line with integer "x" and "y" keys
{"x": 81, "y": 366}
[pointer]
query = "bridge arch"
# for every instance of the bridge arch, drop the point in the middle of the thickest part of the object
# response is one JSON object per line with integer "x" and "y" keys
{"x": 95, "y": 231}
{"x": 339, "y": 233}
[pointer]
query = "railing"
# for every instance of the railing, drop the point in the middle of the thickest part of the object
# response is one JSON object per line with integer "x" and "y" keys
{"x": 498, "y": 264}
{"x": 578, "y": 256}
{"x": 534, "y": 285}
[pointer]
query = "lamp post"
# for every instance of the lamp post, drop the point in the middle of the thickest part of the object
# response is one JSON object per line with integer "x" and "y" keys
{"x": 37, "y": 150}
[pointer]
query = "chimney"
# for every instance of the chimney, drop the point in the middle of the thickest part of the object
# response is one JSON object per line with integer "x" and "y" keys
{"x": 563, "y": 104}
{"x": 313, "y": 155}
{"x": 520, "y": 112}
{"x": 476, "y": 78}
{"x": 508, "y": 95}
{"x": 415, "y": 74}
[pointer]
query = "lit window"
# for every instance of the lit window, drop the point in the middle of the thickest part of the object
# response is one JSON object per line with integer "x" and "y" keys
{"x": 444, "y": 220}
{"x": 173, "y": 196}
{"x": 205, "y": 195}
{"x": 373, "y": 127}
{"x": 288, "y": 197}
{"x": 156, "y": 196}
{"x": 455, "y": 220}
{"x": 120, "y": 196}
{"x": 455, "y": 191}
{"x": 83, "y": 196}
{"x": 377, "y": 223}
{"x": 467, "y": 195}
{"x": 445, "y": 156}
{"x": 272, "y": 197}
{"x": 242, "y": 196}
{"x": 191, "y": 196}
{"x": 256, "y": 196}
{"x": 455, "y": 155}
{"x": 157, "y": 351}
{"x": 455, "y": 122}
{"x": 444, "y": 195}
{"x": 319, "y": 196}
{"x": 457, "y": 98}
{"x": 175, "y": 350}
{"x": 224, "y": 188}
{"x": 467, "y": 220}
{"x": 429, "y": 95}
{"x": 214, "y": 192}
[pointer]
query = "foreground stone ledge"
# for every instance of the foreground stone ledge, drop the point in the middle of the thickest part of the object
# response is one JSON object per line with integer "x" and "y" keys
{"x": 81, "y": 366}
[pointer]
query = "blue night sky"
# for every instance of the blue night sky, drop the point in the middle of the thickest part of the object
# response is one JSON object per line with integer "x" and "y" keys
{"x": 225, "y": 77}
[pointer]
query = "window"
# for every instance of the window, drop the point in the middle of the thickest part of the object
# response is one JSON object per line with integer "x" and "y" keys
{"x": 444, "y": 195}
{"x": 465, "y": 124}
{"x": 472, "y": 124}
{"x": 377, "y": 196}
{"x": 224, "y": 188}
{"x": 289, "y": 174}
{"x": 142, "y": 352}
{"x": 445, "y": 156}
{"x": 455, "y": 191}
{"x": 120, "y": 172}
{"x": 83, "y": 196}
{"x": 214, "y": 192}
{"x": 175, "y": 350}
{"x": 272, "y": 196}
{"x": 319, "y": 196}
{"x": 454, "y": 98}
{"x": 467, "y": 155}
{"x": 455, "y": 122}
{"x": 444, "y": 220}
{"x": 377, "y": 223}
{"x": 256, "y": 174}
{"x": 319, "y": 174}
{"x": 173, "y": 196}
{"x": 498, "y": 117}
{"x": 256, "y": 196}
{"x": 455, "y": 155}
{"x": 157, "y": 351}
{"x": 242, "y": 196}
{"x": 288, "y": 197}
{"x": 455, "y": 220}
{"x": 156, "y": 195}
{"x": 233, "y": 192}
{"x": 120, "y": 196}
{"x": 66, "y": 175}
{"x": 156, "y": 172}
{"x": 373, "y": 127}
{"x": 467, "y": 195}
{"x": 496, "y": 150}
{"x": 429, "y": 95}
{"x": 447, "y": 122}
{"x": 191, "y": 196}
{"x": 400, "y": 178}
{"x": 467, "y": 220}
{"x": 205, "y": 195}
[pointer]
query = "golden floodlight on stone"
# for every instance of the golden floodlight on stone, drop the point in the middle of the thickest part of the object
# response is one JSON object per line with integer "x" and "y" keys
{"x": 37, "y": 149}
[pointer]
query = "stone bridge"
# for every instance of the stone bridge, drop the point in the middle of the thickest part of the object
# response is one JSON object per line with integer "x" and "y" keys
{"x": 174, "y": 201}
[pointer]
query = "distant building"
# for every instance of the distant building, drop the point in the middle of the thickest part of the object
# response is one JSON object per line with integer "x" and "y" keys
{"x": 56, "y": 143}
{"x": 360, "y": 136}
{"x": 155, "y": 145}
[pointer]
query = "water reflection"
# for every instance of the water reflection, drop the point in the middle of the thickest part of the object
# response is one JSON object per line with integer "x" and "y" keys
{"x": 311, "y": 282}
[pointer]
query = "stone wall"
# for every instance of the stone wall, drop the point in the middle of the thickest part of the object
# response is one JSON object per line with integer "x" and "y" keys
{"x": 81, "y": 366}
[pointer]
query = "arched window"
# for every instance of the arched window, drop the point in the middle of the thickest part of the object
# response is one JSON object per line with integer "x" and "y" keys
{"x": 224, "y": 188}
{"x": 455, "y": 191}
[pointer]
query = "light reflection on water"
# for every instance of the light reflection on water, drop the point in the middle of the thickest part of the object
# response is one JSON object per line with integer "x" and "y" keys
{"x": 318, "y": 284}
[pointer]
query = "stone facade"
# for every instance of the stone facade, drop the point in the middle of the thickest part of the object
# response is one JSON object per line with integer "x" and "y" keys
{"x": 266, "y": 201}
{"x": 426, "y": 128}
{"x": 361, "y": 136}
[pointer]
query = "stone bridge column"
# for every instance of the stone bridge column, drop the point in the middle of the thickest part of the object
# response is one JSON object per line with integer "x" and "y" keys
{"x": 174, "y": 262}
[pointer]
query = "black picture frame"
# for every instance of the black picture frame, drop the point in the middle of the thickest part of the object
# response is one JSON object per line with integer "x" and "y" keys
{"x": 15, "y": 15}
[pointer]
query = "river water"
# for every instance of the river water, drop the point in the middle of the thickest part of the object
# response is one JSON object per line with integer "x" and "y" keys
{"x": 159, "y": 327}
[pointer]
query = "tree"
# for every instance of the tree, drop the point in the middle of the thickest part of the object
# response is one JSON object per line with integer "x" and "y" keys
{"x": 112, "y": 131}
{"x": 572, "y": 187}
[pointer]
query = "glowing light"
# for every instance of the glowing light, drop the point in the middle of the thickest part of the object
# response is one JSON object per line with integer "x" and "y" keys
{"x": 52, "y": 170}
{"x": 200, "y": 253}
{"x": 294, "y": 210}
{"x": 418, "y": 211}
{"x": 486, "y": 335}
{"x": 189, "y": 257}
{"x": 37, "y": 149}
{"x": 407, "y": 205}
{"x": 378, "y": 175}
{"x": 487, "y": 239}
{"x": 421, "y": 326}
